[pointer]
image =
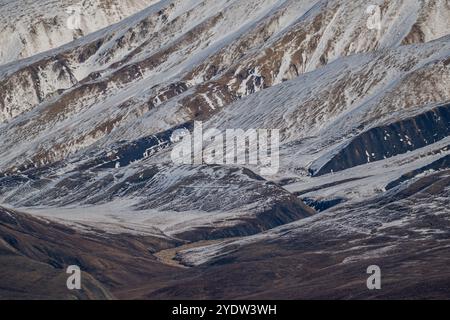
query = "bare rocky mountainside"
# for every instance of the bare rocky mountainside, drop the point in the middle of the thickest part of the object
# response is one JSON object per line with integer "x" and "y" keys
{"x": 97, "y": 96}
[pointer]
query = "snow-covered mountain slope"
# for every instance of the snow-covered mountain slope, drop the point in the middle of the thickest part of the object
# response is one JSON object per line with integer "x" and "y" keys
{"x": 359, "y": 91}
{"x": 29, "y": 27}
{"x": 141, "y": 76}
{"x": 165, "y": 42}
{"x": 214, "y": 201}
{"x": 124, "y": 89}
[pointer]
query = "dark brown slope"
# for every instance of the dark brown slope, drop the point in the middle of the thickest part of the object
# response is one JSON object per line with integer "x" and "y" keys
{"x": 405, "y": 232}
{"x": 34, "y": 255}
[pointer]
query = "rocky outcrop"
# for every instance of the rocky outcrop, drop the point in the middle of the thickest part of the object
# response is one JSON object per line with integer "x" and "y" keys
{"x": 390, "y": 140}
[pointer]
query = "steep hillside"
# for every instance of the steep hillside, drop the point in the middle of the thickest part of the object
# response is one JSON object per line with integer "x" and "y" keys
{"x": 35, "y": 254}
{"x": 356, "y": 95}
{"x": 29, "y": 27}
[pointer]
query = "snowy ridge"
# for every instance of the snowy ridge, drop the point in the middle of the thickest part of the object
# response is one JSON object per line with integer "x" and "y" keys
{"x": 74, "y": 119}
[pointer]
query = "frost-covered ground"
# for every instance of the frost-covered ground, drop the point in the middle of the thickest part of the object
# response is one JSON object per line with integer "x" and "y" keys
{"x": 287, "y": 65}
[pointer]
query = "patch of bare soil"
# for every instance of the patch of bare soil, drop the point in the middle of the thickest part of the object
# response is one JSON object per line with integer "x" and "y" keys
{"x": 168, "y": 256}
